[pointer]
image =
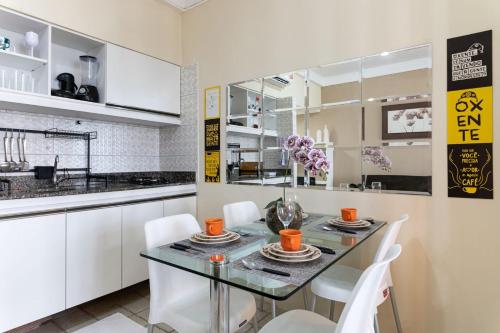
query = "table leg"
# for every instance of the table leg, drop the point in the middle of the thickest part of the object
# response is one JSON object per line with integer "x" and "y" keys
{"x": 219, "y": 307}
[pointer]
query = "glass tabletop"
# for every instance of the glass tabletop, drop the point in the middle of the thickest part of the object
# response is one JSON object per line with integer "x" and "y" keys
{"x": 254, "y": 237}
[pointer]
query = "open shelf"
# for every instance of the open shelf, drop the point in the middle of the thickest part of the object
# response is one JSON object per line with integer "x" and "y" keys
{"x": 249, "y": 131}
{"x": 21, "y": 61}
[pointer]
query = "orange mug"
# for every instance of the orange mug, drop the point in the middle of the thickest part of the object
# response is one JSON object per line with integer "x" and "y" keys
{"x": 349, "y": 214}
{"x": 214, "y": 226}
{"x": 290, "y": 239}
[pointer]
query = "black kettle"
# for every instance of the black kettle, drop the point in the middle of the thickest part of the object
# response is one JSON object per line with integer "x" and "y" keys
{"x": 67, "y": 83}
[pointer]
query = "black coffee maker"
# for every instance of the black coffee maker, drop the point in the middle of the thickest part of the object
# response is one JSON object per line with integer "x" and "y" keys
{"x": 88, "y": 89}
{"x": 67, "y": 86}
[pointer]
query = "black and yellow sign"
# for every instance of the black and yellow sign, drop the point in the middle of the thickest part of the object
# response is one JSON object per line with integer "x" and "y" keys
{"x": 212, "y": 135}
{"x": 212, "y": 166}
{"x": 470, "y": 116}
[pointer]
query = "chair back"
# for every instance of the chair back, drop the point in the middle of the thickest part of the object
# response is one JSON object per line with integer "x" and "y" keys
{"x": 389, "y": 238}
{"x": 164, "y": 281}
{"x": 239, "y": 213}
{"x": 359, "y": 312}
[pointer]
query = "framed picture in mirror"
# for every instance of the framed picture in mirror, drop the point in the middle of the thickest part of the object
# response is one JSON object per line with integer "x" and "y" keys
{"x": 407, "y": 121}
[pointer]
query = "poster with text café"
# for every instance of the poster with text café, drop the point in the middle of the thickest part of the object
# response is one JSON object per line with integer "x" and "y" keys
{"x": 470, "y": 116}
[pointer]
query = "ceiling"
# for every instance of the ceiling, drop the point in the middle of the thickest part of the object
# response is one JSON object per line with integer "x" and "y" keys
{"x": 373, "y": 66}
{"x": 185, "y": 4}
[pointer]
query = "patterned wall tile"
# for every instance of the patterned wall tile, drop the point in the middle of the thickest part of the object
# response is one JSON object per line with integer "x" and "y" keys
{"x": 118, "y": 147}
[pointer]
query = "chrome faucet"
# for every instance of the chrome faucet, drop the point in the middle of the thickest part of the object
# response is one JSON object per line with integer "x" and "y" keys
{"x": 54, "y": 174}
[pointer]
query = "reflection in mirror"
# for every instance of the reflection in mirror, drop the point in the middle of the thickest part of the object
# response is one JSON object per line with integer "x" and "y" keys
{"x": 334, "y": 120}
{"x": 371, "y": 116}
{"x": 397, "y": 121}
{"x": 269, "y": 107}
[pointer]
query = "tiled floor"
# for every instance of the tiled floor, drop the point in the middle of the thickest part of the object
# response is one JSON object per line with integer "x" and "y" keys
{"x": 132, "y": 302}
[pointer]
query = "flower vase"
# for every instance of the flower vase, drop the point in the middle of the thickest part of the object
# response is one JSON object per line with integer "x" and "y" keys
{"x": 274, "y": 224}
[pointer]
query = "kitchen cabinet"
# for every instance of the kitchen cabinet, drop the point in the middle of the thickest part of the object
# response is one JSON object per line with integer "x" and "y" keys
{"x": 138, "y": 81}
{"x": 32, "y": 269}
{"x": 186, "y": 205}
{"x": 93, "y": 254}
{"x": 135, "y": 267}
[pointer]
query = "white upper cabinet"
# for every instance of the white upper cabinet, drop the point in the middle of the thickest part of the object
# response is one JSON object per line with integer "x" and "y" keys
{"x": 128, "y": 83}
{"x": 138, "y": 81}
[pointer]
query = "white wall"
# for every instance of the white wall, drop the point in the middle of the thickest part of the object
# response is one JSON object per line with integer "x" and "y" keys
{"x": 448, "y": 275}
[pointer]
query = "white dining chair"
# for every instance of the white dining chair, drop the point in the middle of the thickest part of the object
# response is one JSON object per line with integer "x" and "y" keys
{"x": 358, "y": 314}
{"x": 245, "y": 212}
{"x": 181, "y": 299}
{"x": 337, "y": 283}
{"x": 239, "y": 213}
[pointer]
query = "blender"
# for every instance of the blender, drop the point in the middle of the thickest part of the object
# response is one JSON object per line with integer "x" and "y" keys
{"x": 89, "y": 67}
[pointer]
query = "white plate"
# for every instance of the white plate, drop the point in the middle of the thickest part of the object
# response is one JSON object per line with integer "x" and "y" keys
{"x": 265, "y": 252}
{"x": 363, "y": 225}
{"x": 305, "y": 216}
{"x": 204, "y": 234}
{"x": 277, "y": 250}
{"x": 340, "y": 220}
{"x": 203, "y": 238}
{"x": 273, "y": 250}
{"x": 232, "y": 238}
{"x": 303, "y": 249}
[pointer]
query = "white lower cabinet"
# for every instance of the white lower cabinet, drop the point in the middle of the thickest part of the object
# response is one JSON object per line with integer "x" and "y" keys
{"x": 93, "y": 257}
{"x": 32, "y": 269}
{"x": 135, "y": 267}
{"x": 185, "y": 205}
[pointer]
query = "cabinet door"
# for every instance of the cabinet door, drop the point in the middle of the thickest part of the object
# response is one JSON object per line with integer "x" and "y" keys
{"x": 140, "y": 81}
{"x": 93, "y": 254}
{"x": 32, "y": 269}
{"x": 135, "y": 267}
{"x": 186, "y": 205}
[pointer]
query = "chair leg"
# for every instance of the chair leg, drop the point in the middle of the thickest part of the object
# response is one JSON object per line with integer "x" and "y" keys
{"x": 376, "y": 328}
{"x": 255, "y": 324}
{"x": 313, "y": 302}
{"x": 150, "y": 328}
{"x": 395, "y": 309}
{"x": 261, "y": 303}
{"x": 273, "y": 305}
{"x": 332, "y": 310}
{"x": 304, "y": 294}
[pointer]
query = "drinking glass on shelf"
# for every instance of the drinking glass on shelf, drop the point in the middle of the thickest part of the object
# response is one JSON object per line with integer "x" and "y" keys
{"x": 3, "y": 79}
{"x": 31, "y": 40}
{"x": 344, "y": 186}
{"x": 286, "y": 211}
{"x": 377, "y": 186}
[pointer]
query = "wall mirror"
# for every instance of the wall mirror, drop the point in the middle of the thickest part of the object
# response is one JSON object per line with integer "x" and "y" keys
{"x": 372, "y": 116}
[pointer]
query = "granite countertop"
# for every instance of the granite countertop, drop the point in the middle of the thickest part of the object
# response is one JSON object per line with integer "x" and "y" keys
{"x": 26, "y": 187}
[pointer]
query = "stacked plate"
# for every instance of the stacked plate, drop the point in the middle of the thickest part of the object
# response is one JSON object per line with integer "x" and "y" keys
{"x": 274, "y": 251}
{"x": 338, "y": 222}
{"x": 226, "y": 237}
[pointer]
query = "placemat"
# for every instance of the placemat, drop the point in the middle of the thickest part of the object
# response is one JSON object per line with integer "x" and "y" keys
{"x": 214, "y": 249}
{"x": 299, "y": 272}
{"x": 358, "y": 233}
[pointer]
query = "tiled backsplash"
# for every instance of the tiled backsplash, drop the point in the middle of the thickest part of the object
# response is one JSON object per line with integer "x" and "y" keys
{"x": 118, "y": 147}
{"x": 179, "y": 144}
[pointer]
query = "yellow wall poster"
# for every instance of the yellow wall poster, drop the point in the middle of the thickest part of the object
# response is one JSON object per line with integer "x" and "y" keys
{"x": 212, "y": 167}
{"x": 212, "y": 102}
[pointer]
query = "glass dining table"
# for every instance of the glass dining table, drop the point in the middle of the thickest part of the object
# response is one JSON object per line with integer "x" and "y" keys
{"x": 316, "y": 230}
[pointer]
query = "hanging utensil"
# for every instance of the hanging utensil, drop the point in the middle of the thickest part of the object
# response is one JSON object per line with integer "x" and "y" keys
{"x": 13, "y": 165}
{"x": 20, "y": 164}
{"x": 5, "y": 165}
{"x": 26, "y": 164}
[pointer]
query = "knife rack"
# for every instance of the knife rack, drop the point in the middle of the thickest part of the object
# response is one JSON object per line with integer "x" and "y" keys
{"x": 55, "y": 133}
